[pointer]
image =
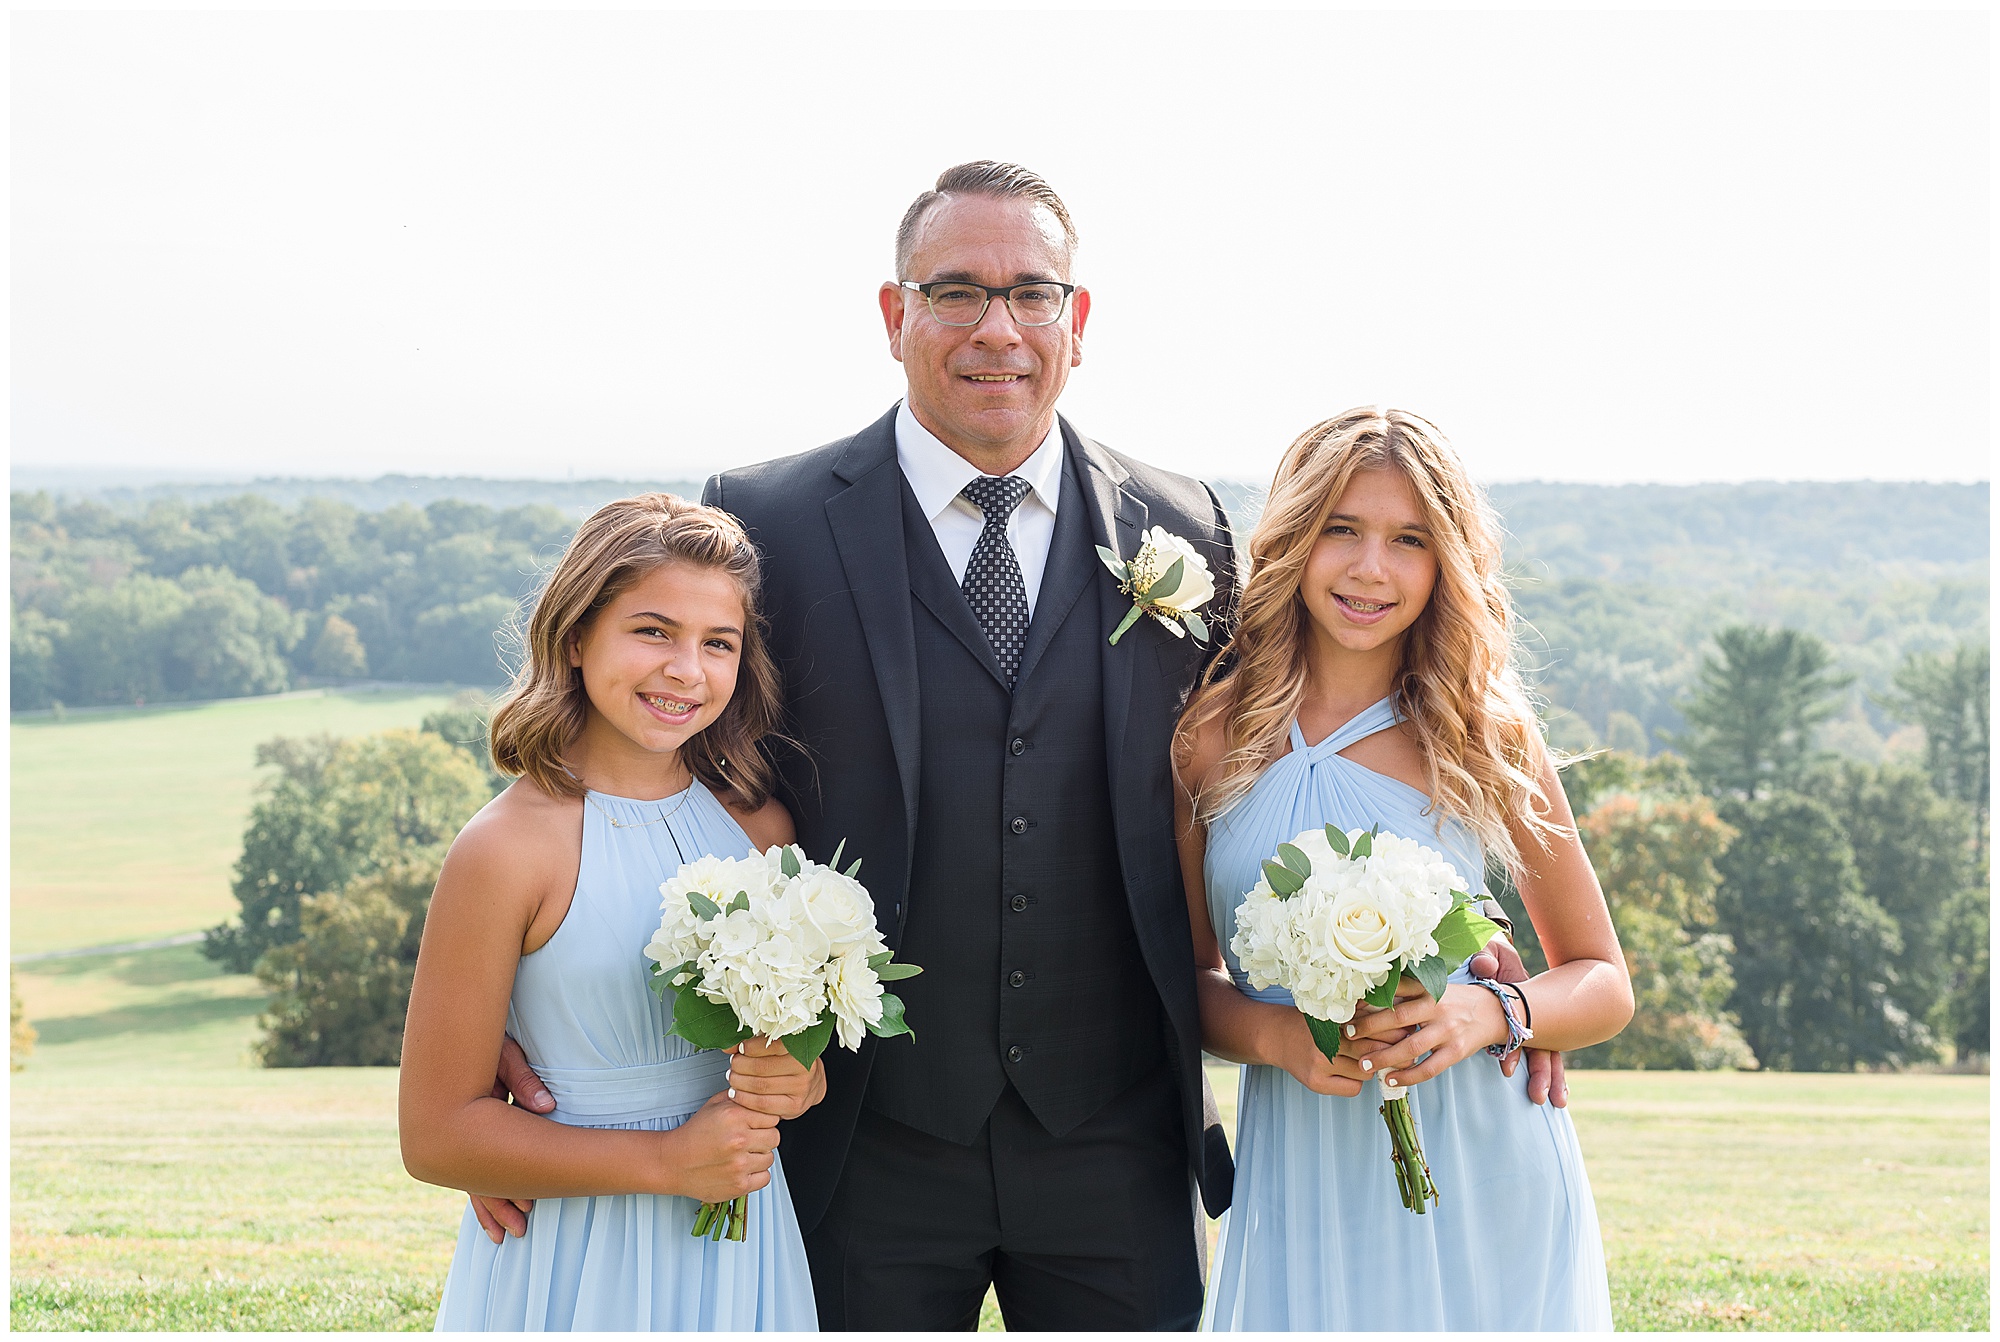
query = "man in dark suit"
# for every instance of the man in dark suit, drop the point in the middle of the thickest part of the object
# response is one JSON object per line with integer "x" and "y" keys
{"x": 943, "y": 621}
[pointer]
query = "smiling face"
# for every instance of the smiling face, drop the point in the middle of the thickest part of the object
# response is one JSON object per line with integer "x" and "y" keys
{"x": 1371, "y": 572}
{"x": 988, "y": 391}
{"x": 659, "y": 663}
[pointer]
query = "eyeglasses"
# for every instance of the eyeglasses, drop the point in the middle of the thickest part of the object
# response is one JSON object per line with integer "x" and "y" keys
{"x": 962, "y": 303}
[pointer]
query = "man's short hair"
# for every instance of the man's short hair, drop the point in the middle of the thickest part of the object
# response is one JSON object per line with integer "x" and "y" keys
{"x": 1005, "y": 181}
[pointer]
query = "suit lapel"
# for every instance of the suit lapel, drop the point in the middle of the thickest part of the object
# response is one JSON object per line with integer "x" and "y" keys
{"x": 1065, "y": 576}
{"x": 1117, "y": 520}
{"x": 867, "y": 526}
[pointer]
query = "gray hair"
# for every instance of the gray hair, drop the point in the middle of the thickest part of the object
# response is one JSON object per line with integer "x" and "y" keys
{"x": 984, "y": 177}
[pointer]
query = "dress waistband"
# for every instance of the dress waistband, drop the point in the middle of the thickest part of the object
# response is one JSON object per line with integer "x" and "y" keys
{"x": 1278, "y": 996}
{"x": 599, "y": 1096}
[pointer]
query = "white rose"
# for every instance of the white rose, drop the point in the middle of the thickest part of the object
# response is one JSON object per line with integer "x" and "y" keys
{"x": 854, "y": 991}
{"x": 838, "y": 907}
{"x": 1157, "y": 551}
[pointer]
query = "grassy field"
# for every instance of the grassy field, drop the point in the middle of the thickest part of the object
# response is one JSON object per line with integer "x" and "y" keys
{"x": 125, "y": 824}
{"x": 160, "y": 1181}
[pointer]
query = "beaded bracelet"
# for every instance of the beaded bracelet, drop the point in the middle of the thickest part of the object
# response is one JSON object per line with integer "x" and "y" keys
{"x": 1517, "y": 1033}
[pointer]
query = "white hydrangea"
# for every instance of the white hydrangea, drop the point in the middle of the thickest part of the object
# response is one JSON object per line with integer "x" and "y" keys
{"x": 780, "y": 951}
{"x": 1352, "y": 925}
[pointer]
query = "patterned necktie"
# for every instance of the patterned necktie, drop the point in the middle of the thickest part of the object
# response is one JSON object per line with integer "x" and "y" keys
{"x": 993, "y": 586}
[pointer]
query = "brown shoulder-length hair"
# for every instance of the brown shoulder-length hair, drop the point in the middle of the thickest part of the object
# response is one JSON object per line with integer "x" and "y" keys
{"x": 545, "y": 708}
{"x": 1458, "y": 684}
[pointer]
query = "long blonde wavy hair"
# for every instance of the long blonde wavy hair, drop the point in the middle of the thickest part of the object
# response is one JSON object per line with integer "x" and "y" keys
{"x": 546, "y": 706}
{"x": 1458, "y": 683}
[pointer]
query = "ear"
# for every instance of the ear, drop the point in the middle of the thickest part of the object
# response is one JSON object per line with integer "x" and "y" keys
{"x": 1079, "y": 313}
{"x": 573, "y": 645}
{"x": 892, "y": 298}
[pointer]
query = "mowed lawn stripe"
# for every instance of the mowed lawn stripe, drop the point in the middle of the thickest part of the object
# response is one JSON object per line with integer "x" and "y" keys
{"x": 126, "y": 825}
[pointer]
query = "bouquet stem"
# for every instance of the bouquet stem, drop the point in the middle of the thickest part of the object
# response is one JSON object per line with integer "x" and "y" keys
{"x": 1406, "y": 1153}
{"x": 723, "y": 1220}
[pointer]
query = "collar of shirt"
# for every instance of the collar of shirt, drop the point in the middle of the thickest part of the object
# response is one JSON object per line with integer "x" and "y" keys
{"x": 937, "y": 474}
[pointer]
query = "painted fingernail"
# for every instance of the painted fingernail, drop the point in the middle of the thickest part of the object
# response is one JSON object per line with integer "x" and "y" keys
{"x": 1367, "y": 1064}
{"x": 1350, "y": 1032}
{"x": 732, "y": 1092}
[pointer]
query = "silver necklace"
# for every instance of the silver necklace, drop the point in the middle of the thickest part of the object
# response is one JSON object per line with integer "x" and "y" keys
{"x": 661, "y": 819}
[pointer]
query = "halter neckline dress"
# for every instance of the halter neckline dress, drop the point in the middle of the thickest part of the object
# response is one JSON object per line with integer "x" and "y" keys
{"x": 1317, "y": 1236}
{"x": 588, "y": 1021}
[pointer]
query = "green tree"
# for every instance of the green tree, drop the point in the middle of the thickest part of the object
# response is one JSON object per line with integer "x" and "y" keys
{"x": 339, "y": 993}
{"x": 1815, "y": 958}
{"x": 230, "y": 639}
{"x": 337, "y": 652}
{"x": 457, "y": 642}
{"x": 1949, "y": 696}
{"x": 1966, "y": 1015}
{"x": 31, "y": 647}
{"x": 463, "y": 722}
{"x": 336, "y": 810}
{"x": 1755, "y": 705}
{"x": 116, "y": 636}
{"x": 1655, "y": 856}
{"x": 1913, "y": 852}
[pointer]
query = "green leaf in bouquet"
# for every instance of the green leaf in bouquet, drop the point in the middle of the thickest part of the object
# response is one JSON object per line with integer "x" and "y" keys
{"x": 892, "y": 1022}
{"x": 704, "y": 907}
{"x": 1284, "y": 881}
{"x": 809, "y": 1043}
{"x": 1364, "y": 844}
{"x": 1296, "y": 859}
{"x": 740, "y": 903}
{"x": 1326, "y": 1034}
{"x": 659, "y": 977}
{"x": 881, "y": 958}
{"x": 1169, "y": 582}
{"x": 887, "y": 973}
{"x": 838, "y": 849}
{"x": 1336, "y": 838}
{"x": 1462, "y": 933}
{"x": 1432, "y": 971}
{"x": 788, "y": 861}
{"x": 852, "y": 867}
{"x": 1383, "y": 995}
{"x": 705, "y": 1024}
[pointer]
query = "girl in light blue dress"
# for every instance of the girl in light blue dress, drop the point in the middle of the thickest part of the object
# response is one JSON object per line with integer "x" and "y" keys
{"x": 1369, "y": 682}
{"x": 634, "y": 727}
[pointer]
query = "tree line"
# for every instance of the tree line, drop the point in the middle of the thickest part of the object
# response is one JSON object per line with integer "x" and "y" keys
{"x": 240, "y": 596}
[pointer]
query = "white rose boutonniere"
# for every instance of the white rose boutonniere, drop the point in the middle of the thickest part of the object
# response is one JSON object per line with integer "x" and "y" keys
{"x": 1168, "y": 580}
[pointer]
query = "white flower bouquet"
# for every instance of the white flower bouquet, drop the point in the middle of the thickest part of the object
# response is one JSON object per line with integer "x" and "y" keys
{"x": 773, "y": 944}
{"x": 1338, "y": 918}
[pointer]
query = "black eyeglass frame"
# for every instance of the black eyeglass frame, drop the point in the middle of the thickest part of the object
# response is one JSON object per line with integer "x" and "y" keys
{"x": 1004, "y": 294}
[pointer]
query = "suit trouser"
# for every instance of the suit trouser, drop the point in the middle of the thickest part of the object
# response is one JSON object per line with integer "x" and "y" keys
{"x": 1094, "y": 1229}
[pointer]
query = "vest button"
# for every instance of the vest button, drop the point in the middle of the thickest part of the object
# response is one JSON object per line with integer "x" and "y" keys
{"x": 1016, "y": 979}
{"x": 1018, "y": 903}
{"x": 1017, "y": 745}
{"x": 1020, "y": 825}
{"x": 1016, "y": 1053}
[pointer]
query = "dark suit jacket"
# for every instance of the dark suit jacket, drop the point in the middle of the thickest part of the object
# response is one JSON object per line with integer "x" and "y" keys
{"x": 837, "y": 599}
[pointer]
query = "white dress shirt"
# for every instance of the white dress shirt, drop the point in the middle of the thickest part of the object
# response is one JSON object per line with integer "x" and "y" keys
{"x": 937, "y": 474}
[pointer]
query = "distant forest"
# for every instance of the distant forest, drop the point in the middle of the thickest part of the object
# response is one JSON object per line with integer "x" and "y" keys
{"x": 211, "y": 591}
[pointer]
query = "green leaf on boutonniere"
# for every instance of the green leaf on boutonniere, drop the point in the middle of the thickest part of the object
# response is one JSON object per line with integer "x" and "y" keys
{"x": 809, "y": 1043}
{"x": 892, "y": 1022}
{"x": 1195, "y": 625}
{"x": 1131, "y": 618}
{"x": 1118, "y": 567}
{"x": 1383, "y": 995}
{"x": 1432, "y": 971}
{"x": 1336, "y": 838}
{"x": 706, "y": 1024}
{"x": 788, "y": 861}
{"x": 1169, "y": 582}
{"x": 1326, "y": 1034}
{"x": 1284, "y": 881}
{"x": 704, "y": 907}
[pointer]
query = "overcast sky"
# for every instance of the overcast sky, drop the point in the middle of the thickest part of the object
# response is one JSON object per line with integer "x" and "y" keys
{"x": 1591, "y": 246}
